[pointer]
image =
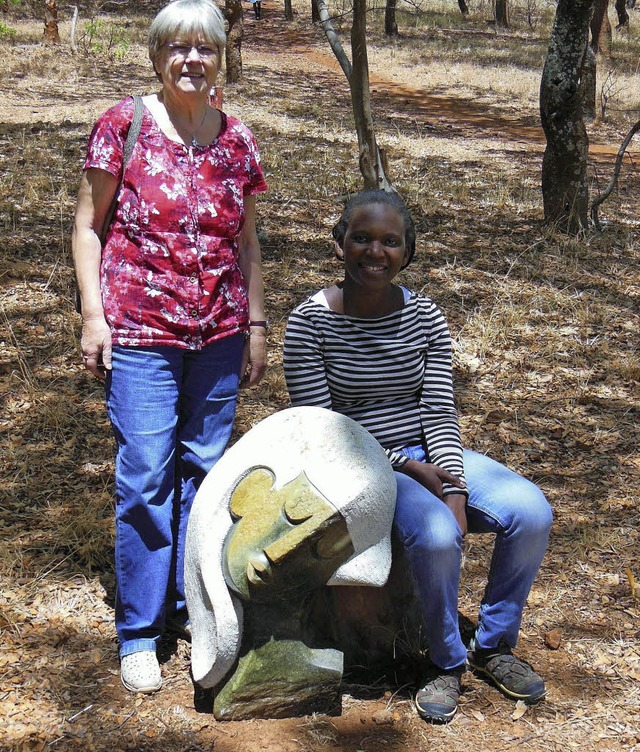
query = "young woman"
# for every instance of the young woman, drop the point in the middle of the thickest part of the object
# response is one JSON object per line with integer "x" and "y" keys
{"x": 173, "y": 310}
{"x": 381, "y": 354}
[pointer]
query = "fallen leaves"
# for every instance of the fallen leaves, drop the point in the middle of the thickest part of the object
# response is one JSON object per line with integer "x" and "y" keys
{"x": 635, "y": 593}
{"x": 521, "y": 710}
{"x": 553, "y": 639}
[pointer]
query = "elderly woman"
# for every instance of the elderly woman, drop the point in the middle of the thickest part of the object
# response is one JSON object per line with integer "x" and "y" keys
{"x": 172, "y": 309}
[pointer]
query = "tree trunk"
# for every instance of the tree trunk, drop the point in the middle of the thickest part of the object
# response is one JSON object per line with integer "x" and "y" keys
{"x": 623, "y": 16}
{"x": 614, "y": 177}
{"x": 390, "y": 23}
{"x": 502, "y": 13}
{"x": 590, "y": 78}
{"x": 233, "y": 55}
{"x": 371, "y": 159}
{"x": 564, "y": 165}
{"x": 288, "y": 10}
{"x": 601, "y": 29}
{"x": 464, "y": 8}
{"x": 333, "y": 39}
{"x": 74, "y": 26}
{"x": 51, "y": 33}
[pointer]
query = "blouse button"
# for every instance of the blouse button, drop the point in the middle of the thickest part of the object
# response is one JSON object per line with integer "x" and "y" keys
{"x": 194, "y": 314}
{"x": 193, "y": 278}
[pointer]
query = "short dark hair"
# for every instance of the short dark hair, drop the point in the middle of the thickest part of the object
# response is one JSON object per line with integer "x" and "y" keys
{"x": 378, "y": 196}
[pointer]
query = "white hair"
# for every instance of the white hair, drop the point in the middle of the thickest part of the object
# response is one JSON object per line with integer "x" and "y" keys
{"x": 187, "y": 17}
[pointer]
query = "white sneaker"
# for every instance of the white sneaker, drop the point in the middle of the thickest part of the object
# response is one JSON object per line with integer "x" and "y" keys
{"x": 140, "y": 672}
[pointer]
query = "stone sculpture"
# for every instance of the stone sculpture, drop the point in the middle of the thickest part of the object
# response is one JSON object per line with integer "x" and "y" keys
{"x": 304, "y": 498}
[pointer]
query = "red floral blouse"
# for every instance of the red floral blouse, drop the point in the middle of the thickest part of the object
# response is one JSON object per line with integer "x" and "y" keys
{"x": 169, "y": 272}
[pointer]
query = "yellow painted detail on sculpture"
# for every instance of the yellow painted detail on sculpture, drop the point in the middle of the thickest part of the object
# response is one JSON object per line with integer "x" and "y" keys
{"x": 285, "y": 531}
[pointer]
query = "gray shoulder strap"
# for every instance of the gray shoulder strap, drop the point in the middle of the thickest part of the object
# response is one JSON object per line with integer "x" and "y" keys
{"x": 134, "y": 132}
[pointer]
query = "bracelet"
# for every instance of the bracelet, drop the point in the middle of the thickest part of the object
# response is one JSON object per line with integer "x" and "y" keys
{"x": 262, "y": 324}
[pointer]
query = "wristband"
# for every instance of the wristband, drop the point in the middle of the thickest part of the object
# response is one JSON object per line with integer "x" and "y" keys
{"x": 262, "y": 324}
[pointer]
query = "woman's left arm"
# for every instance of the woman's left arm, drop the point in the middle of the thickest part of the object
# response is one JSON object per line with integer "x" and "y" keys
{"x": 437, "y": 405}
{"x": 254, "y": 359}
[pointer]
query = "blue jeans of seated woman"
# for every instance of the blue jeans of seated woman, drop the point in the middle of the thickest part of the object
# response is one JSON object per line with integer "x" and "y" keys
{"x": 172, "y": 412}
{"x": 500, "y": 502}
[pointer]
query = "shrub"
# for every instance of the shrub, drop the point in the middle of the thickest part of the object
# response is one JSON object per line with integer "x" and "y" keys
{"x": 7, "y": 33}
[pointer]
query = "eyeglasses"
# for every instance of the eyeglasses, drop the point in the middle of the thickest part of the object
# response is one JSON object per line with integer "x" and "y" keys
{"x": 177, "y": 49}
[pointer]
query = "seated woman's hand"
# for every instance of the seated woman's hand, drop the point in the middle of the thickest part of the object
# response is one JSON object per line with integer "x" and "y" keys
{"x": 431, "y": 476}
{"x": 457, "y": 503}
{"x": 96, "y": 346}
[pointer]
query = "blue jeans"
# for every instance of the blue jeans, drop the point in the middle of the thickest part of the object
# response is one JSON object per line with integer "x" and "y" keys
{"x": 172, "y": 412}
{"x": 500, "y": 502}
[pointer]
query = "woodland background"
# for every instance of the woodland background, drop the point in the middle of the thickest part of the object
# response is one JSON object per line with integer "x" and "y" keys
{"x": 546, "y": 331}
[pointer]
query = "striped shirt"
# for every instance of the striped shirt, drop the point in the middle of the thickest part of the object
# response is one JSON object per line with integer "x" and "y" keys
{"x": 390, "y": 374}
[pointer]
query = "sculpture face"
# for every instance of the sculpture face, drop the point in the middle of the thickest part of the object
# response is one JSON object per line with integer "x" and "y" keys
{"x": 285, "y": 542}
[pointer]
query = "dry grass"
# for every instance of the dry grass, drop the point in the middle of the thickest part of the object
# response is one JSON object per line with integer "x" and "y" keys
{"x": 546, "y": 331}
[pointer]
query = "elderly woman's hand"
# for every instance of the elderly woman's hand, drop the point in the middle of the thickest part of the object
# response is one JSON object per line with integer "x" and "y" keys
{"x": 96, "y": 346}
{"x": 254, "y": 358}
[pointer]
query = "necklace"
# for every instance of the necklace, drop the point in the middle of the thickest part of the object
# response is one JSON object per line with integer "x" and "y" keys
{"x": 194, "y": 141}
{"x": 174, "y": 122}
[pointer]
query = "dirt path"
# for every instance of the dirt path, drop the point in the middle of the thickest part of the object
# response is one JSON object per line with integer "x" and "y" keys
{"x": 310, "y": 51}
